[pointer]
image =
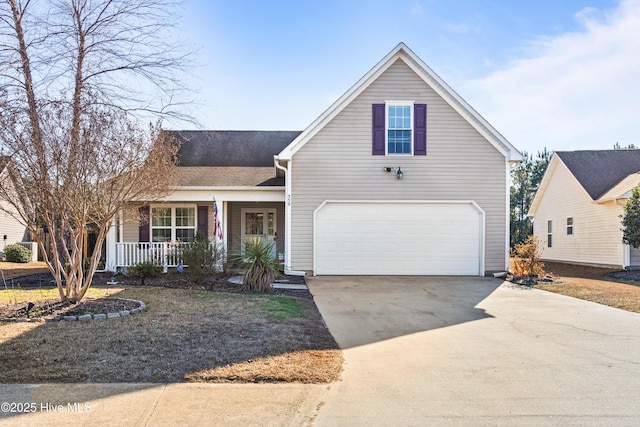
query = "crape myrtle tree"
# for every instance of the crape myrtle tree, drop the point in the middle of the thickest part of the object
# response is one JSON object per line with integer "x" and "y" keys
{"x": 77, "y": 78}
{"x": 525, "y": 180}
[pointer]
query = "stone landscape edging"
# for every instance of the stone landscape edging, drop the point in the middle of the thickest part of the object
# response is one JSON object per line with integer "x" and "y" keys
{"x": 85, "y": 317}
{"x": 105, "y": 316}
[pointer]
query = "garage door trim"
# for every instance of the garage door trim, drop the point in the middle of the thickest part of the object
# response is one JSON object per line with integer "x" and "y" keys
{"x": 472, "y": 203}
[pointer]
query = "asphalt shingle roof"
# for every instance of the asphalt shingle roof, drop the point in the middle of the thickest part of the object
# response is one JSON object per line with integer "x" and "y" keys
{"x": 231, "y": 148}
{"x": 600, "y": 170}
{"x": 227, "y": 176}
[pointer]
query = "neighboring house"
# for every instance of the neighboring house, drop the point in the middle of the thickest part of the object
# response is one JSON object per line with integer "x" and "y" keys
{"x": 399, "y": 176}
{"x": 11, "y": 230}
{"x": 576, "y": 210}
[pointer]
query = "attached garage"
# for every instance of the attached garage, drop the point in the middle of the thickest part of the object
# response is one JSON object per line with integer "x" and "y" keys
{"x": 399, "y": 238}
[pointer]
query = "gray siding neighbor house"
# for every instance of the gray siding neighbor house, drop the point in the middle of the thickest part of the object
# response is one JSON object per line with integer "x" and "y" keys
{"x": 399, "y": 176}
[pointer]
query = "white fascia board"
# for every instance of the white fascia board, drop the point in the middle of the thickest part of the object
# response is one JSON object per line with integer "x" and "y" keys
{"x": 544, "y": 183}
{"x": 401, "y": 51}
{"x": 341, "y": 103}
{"x": 462, "y": 107}
{"x": 213, "y": 188}
{"x": 228, "y": 194}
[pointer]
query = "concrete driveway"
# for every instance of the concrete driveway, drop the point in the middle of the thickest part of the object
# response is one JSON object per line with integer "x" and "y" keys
{"x": 475, "y": 351}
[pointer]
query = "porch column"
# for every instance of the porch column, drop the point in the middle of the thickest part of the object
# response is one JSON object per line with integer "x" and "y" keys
{"x": 223, "y": 223}
{"x": 110, "y": 263}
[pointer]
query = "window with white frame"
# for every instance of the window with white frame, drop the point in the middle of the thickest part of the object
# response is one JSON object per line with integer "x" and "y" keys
{"x": 569, "y": 226}
{"x": 399, "y": 128}
{"x": 173, "y": 224}
{"x": 549, "y": 233}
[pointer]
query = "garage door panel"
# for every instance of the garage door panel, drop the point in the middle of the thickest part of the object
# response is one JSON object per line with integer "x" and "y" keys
{"x": 398, "y": 238}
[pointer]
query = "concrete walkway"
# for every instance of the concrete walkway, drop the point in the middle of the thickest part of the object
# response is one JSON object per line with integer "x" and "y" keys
{"x": 172, "y": 405}
{"x": 466, "y": 351}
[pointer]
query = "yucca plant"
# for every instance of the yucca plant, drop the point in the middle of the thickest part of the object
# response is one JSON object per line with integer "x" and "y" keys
{"x": 261, "y": 267}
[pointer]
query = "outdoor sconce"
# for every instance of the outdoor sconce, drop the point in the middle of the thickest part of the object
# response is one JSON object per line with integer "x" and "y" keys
{"x": 398, "y": 171}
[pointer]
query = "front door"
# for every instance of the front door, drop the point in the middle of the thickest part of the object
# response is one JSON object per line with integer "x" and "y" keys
{"x": 259, "y": 224}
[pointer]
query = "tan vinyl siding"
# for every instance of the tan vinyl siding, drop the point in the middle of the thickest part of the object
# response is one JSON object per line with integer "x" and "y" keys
{"x": 596, "y": 237}
{"x": 337, "y": 164}
{"x": 11, "y": 230}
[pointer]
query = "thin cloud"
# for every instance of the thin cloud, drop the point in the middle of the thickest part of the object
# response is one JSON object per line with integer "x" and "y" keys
{"x": 578, "y": 90}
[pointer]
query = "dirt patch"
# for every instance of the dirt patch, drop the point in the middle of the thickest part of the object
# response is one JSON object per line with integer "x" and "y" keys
{"x": 604, "y": 286}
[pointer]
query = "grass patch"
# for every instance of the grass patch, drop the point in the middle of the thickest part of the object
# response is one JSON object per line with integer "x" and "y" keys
{"x": 283, "y": 308}
{"x": 15, "y": 296}
{"x": 593, "y": 284}
{"x": 183, "y": 335}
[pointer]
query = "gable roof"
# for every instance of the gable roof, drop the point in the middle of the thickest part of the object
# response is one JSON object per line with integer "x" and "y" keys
{"x": 402, "y": 52}
{"x": 598, "y": 171}
{"x": 230, "y": 148}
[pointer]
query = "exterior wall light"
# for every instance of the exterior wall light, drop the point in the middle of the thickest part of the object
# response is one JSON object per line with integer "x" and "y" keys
{"x": 398, "y": 171}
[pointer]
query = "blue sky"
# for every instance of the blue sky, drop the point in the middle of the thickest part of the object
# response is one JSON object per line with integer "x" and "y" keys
{"x": 558, "y": 74}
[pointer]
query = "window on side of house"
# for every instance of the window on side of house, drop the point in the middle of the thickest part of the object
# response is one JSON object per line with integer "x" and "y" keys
{"x": 549, "y": 233}
{"x": 173, "y": 224}
{"x": 400, "y": 129}
{"x": 569, "y": 226}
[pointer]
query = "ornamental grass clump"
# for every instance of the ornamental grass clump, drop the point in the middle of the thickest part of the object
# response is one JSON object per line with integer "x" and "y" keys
{"x": 261, "y": 266}
{"x": 526, "y": 258}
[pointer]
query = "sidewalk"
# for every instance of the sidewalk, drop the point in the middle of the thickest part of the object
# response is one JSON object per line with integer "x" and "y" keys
{"x": 172, "y": 405}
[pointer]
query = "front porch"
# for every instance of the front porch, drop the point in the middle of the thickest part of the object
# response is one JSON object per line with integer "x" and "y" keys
{"x": 156, "y": 232}
{"x": 164, "y": 254}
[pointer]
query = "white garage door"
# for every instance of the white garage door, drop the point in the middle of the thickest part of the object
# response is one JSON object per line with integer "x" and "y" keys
{"x": 391, "y": 238}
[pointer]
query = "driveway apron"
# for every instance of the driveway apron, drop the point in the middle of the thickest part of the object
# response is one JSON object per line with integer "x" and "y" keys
{"x": 476, "y": 351}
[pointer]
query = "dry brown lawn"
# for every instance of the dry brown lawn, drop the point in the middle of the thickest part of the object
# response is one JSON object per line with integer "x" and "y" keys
{"x": 593, "y": 284}
{"x": 183, "y": 335}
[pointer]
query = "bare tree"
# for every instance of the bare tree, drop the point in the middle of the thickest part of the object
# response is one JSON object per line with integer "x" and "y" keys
{"x": 73, "y": 75}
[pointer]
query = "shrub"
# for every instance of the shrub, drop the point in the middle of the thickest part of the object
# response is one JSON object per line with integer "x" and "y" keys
{"x": 526, "y": 258}
{"x": 261, "y": 267}
{"x": 145, "y": 270}
{"x": 17, "y": 253}
{"x": 202, "y": 257}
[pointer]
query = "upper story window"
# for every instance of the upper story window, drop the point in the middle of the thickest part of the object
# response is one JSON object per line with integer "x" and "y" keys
{"x": 569, "y": 226}
{"x": 549, "y": 233}
{"x": 399, "y": 128}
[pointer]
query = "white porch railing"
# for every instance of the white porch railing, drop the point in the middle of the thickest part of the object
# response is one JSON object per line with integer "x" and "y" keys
{"x": 165, "y": 254}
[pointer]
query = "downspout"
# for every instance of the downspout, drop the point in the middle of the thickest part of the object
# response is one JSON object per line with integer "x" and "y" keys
{"x": 287, "y": 219}
{"x": 626, "y": 248}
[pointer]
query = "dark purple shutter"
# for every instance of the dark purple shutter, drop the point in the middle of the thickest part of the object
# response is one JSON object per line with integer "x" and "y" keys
{"x": 203, "y": 221}
{"x": 143, "y": 229}
{"x": 420, "y": 129}
{"x": 378, "y": 130}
